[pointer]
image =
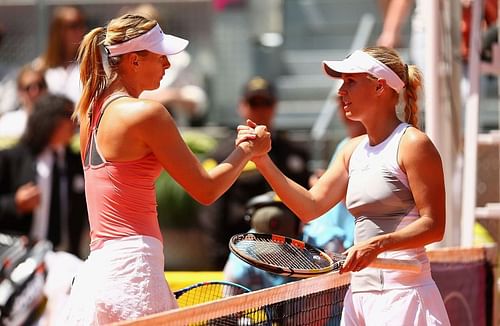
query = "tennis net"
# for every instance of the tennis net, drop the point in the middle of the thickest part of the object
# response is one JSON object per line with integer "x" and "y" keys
{"x": 465, "y": 278}
{"x": 312, "y": 301}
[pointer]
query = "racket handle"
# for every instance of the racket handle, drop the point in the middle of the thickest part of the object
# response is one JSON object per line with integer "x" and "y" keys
{"x": 409, "y": 265}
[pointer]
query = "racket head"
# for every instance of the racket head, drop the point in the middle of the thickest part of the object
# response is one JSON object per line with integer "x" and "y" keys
{"x": 207, "y": 291}
{"x": 281, "y": 255}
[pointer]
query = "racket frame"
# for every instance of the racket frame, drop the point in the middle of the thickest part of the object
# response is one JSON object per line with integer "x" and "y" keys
{"x": 276, "y": 269}
{"x": 335, "y": 260}
{"x": 179, "y": 293}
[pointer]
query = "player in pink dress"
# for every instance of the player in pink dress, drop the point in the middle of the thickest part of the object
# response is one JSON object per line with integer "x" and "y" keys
{"x": 125, "y": 143}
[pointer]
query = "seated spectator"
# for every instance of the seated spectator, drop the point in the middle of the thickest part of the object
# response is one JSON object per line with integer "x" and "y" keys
{"x": 42, "y": 192}
{"x": 30, "y": 86}
{"x": 66, "y": 31}
{"x": 267, "y": 214}
{"x": 8, "y": 74}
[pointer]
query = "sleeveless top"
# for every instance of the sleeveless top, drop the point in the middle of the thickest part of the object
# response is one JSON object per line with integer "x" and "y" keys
{"x": 121, "y": 197}
{"x": 380, "y": 199}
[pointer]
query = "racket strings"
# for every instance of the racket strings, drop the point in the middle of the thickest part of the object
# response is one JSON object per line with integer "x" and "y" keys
{"x": 284, "y": 254}
{"x": 208, "y": 292}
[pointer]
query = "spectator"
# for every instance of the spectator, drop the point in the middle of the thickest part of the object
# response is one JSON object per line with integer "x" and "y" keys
{"x": 30, "y": 86}
{"x": 32, "y": 202}
{"x": 267, "y": 214}
{"x": 8, "y": 73}
{"x": 394, "y": 13}
{"x": 226, "y": 216}
{"x": 181, "y": 90}
{"x": 58, "y": 62}
{"x": 488, "y": 21}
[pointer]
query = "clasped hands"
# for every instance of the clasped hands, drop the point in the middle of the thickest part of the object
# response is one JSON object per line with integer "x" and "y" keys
{"x": 253, "y": 138}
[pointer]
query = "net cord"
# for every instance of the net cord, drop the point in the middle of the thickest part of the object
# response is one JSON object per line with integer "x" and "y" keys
{"x": 251, "y": 300}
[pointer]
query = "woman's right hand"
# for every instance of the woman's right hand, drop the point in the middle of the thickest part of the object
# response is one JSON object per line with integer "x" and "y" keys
{"x": 27, "y": 198}
{"x": 254, "y": 138}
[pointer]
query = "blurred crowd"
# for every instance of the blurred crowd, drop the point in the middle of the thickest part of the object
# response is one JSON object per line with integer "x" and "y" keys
{"x": 29, "y": 133}
{"x": 42, "y": 193}
{"x": 42, "y": 187}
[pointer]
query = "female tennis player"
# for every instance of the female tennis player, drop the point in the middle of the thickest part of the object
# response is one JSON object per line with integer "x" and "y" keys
{"x": 392, "y": 181}
{"x": 125, "y": 143}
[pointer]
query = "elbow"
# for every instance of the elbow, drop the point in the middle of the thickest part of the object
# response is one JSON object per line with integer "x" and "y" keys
{"x": 306, "y": 216}
{"x": 206, "y": 201}
{"x": 440, "y": 234}
{"x": 312, "y": 212}
{"x": 437, "y": 237}
{"x": 205, "y": 197}
{"x": 437, "y": 232}
{"x": 206, "y": 193}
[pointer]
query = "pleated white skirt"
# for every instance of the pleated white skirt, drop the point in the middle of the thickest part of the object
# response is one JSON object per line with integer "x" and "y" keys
{"x": 123, "y": 280}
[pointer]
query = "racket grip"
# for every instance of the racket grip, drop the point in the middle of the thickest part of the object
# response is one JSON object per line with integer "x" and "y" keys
{"x": 409, "y": 265}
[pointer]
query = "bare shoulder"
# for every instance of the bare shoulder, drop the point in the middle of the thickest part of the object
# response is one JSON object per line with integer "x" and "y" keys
{"x": 351, "y": 145}
{"x": 415, "y": 139}
{"x": 349, "y": 148}
{"x": 416, "y": 147}
{"x": 132, "y": 113}
{"x": 138, "y": 111}
{"x": 353, "y": 142}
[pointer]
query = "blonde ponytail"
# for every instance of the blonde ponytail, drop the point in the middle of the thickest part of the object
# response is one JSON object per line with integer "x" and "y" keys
{"x": 409, "y": 74}
{"x": 413, "y": 85}
{"x": 92, "y": 75}
{"x": 92, "y": 72}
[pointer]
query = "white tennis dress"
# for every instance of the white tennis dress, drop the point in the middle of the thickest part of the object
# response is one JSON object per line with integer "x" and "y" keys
{"x": 123, "y": 280}
{"x": 380, "y": 199}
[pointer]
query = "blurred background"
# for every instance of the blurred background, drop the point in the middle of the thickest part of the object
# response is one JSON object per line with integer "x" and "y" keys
{"x": 285, "y": 42}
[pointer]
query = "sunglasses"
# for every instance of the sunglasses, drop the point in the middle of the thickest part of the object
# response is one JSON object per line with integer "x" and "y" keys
{"x": 260, "y": 102}
{"x": 74, "y": 25}
{"x": 35, "y": 86}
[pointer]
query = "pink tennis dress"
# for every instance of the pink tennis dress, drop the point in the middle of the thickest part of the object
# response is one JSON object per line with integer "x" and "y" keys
{"x": 123, "y": 277}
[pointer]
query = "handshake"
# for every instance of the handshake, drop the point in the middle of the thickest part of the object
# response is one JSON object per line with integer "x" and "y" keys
{"x": 254, "y": 139}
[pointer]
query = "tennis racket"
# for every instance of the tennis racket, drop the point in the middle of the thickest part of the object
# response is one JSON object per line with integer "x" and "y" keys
{"x": 12, "y": 250}
{"x": 286, "y": 256}
{"x": 207, "y": 291}
{"x": 213, "y": 290}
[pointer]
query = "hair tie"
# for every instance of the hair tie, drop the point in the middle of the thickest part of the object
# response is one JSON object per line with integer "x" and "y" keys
{"x": 105, "y": 60}
{"x": 106, "y": 50}
{"x": 407, "y": 75}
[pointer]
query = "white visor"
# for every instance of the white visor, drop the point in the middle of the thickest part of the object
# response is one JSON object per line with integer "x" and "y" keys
{"x": 154, "y": 41}
{"x": 362, "y": 62}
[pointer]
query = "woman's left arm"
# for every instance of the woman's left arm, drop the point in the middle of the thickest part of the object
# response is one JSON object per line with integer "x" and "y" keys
{"x": 420, "y": 160}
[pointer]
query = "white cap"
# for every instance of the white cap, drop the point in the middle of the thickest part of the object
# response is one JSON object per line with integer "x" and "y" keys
{"x": 154, "y": 41}
{"x": 362, "y": 62}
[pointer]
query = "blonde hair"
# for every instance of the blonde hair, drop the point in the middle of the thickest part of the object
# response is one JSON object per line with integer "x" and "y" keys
{"x": 92, "y": 74}
{"x": 409, "y": 74}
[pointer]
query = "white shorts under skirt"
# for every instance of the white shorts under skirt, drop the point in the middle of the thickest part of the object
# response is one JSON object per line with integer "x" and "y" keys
{"x": 421, "y": 305}
{"x": 122, "y": 280}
